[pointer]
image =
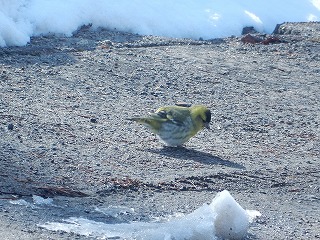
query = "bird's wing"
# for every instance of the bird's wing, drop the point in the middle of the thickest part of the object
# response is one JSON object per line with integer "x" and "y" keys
{"x": 173, "y": 114}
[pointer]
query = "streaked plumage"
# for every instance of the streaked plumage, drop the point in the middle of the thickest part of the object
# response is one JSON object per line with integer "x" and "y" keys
{"x": 175, "y": 125}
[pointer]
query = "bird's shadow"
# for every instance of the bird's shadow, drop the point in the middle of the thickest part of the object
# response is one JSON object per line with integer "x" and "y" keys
{"x": 195, "y": 155}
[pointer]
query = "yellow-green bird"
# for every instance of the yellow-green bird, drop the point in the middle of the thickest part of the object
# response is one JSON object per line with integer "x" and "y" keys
{"x": 175, "y": 125}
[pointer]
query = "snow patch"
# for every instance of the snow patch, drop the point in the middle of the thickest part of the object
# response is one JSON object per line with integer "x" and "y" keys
{"x": 223, "y": 218}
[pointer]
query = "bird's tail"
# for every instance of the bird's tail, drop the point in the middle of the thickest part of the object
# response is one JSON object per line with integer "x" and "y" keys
{"x": 150, "y": 122}
{"x": 138, "y": 119}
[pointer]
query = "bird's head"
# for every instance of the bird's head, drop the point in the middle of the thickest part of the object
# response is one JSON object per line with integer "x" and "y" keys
{"x": 203, "y": 114}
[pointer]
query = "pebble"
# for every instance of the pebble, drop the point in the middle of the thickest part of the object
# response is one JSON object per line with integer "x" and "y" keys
{"x": 93, "y": 120}
{"x": 10, "y": 126}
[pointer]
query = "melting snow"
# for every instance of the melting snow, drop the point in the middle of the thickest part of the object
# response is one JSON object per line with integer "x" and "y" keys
{"x": 224, "y": 217}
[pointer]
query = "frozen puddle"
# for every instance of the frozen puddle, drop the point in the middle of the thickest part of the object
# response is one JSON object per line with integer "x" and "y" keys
{"x": 224, "y": 218}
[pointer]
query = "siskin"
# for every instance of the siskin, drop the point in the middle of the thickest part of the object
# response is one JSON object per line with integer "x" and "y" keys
{"x": 175, "y": 125}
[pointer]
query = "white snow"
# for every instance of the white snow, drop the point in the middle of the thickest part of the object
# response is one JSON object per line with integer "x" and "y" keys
{"x": 21, "y": 202}
{"x": 41, "y": 201}
{"x": 37, "y": 200}
{"x": 224, "y": 218}
{"x": 21, "y": 19}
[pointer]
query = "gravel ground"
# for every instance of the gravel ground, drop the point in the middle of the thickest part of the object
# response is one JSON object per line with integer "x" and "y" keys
{"x": 63, "y": 105}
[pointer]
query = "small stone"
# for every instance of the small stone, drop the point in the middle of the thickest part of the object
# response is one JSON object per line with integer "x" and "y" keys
{"x": 271, "y": 40}
{"x": 10, "y": 126}
{"x": 93, "y": 120}
{"x": 247, "y": 30}
{"x": 183, "y": 104}
{"x": 251, "y": 39}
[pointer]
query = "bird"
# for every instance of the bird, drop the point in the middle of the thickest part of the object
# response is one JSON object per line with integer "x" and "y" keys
{"x": 175, "y": 125}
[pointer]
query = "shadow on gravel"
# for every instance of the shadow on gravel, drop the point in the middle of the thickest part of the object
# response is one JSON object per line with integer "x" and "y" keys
{"x": 195, "y": 155}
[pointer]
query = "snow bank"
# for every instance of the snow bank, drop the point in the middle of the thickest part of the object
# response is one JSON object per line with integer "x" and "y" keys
{"x": 21, "y": 19}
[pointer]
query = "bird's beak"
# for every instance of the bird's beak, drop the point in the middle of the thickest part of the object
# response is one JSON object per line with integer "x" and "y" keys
{"x": 207, "y": 126}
